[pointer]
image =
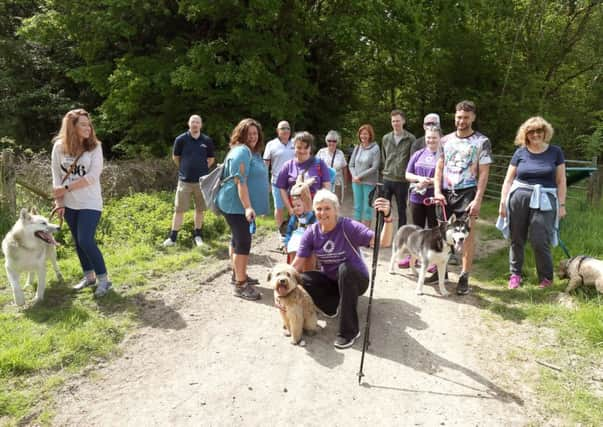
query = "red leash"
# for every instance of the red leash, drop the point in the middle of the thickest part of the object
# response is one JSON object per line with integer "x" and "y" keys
{"x": 433, "y": 201}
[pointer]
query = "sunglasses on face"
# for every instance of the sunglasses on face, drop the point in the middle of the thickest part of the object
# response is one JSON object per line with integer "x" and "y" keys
{"x": 533, "y": 131}
{"x": 332, "y": 140}
{"x": 284, "y": 129}
{"x": 430, "y": 124}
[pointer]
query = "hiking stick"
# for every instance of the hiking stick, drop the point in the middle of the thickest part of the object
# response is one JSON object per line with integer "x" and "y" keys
{"x": 367, "y": 326}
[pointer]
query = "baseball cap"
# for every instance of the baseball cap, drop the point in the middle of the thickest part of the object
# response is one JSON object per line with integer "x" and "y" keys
{"x": 283, "y": 125}
{"x": 432, "y": 118}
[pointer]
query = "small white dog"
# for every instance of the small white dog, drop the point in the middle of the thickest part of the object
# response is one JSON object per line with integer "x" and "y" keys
{"x": 26, "y": 248}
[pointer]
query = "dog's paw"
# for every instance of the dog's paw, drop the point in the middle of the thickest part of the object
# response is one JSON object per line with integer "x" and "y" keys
{"x": 36, "y": 301}
{"x": 286, "y": 332}
{"x": 445, "y": 293}
{"x": 391, "y": 271}
{"x": 301, "y": 343}
{"x": 419, "y": 291}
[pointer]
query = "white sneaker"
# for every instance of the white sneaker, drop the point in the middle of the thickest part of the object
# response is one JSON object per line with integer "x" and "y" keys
{"x": 168, "y": 242}
{"x": 198, "y": 241}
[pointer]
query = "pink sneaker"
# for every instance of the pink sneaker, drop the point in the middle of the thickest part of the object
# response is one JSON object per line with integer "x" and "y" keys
{"x": 545, "y": 283}
{"x": 514, "y": 281}
{"x": 432, "y": 268}
{"x": 405, "y": 262}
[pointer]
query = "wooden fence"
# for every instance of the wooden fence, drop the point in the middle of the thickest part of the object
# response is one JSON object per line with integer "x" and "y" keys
{"x": 589, "y": 188}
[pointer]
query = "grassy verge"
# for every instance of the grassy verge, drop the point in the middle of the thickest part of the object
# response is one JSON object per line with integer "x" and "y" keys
{"x": 575, "y": 393}
{"x": 41, "y": 346}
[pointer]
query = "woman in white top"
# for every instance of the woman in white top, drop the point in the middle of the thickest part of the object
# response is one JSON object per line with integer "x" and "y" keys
{"x": 334, "y": 157}
{"x": 77, "y": 163}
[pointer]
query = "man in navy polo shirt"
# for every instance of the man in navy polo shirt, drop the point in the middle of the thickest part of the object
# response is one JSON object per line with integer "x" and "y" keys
{"x": 193, "y": 153}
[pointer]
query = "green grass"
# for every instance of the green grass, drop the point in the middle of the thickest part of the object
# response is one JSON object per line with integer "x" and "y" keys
{"x": 572, "y": 394}
{"x": 43, "y": 345}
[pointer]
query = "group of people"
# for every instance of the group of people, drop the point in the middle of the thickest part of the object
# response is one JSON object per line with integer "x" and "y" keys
{"x": 452, "y": 170}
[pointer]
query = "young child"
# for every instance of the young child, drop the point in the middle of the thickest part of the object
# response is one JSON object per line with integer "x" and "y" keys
{"x": 296, "y": 226}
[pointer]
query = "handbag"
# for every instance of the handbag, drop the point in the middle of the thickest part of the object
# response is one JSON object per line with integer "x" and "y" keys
{"x": 210, "y": 187}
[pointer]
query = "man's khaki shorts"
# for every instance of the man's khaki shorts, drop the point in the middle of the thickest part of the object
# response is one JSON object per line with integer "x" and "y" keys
{"x": 184, "y": 191}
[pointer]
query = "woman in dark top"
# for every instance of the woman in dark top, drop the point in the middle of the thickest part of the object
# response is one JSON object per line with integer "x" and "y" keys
{"x": 532, "y": 199}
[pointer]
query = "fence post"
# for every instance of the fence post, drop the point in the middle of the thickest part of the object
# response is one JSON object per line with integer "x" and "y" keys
{"x": 594, "y": 184}
{"x": 8, "y": 187}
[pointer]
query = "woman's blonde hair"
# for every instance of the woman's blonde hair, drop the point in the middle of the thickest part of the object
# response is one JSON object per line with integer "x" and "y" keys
{"x": 531, "y": 124}
{"x": 240, "y": 132}
{"x": 324, "y": 195}
{"x": 68, "y": 134}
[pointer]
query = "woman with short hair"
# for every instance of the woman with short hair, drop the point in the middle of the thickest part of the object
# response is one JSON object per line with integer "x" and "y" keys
{"x": 343, "y": 275}
{"x": 532, "y": 199}
{"x": 334, "y": 157}
{"x": 304, "y": 163}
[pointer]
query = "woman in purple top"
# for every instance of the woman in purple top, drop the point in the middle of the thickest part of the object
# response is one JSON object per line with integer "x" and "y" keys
{"x": 302, "y": 163}
{"x": 420, "y": 171}
{"x": 335, "y": 241}
{"x": 532, "y": 199}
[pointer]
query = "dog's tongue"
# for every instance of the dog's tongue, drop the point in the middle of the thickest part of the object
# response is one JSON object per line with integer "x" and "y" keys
{"x": 47, "y": 237}
{"x": 281, "y": 289}
{"x": 458, "y": 248}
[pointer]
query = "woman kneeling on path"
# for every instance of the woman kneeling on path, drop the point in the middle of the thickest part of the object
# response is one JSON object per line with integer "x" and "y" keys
{"x": 344, "y": 275}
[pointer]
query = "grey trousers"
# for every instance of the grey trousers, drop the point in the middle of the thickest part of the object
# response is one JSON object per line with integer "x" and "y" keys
{"x": 532, "y": 224}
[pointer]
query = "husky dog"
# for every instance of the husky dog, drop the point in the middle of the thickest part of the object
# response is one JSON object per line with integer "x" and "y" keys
{"x": 295, "y": 304}
{"x": 429, "y": 246}
{"x": 26, "y": 248}
{"x": 581, "y": 270}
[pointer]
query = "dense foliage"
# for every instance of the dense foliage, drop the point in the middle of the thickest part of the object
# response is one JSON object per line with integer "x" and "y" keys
{"x": 144, "y": 66}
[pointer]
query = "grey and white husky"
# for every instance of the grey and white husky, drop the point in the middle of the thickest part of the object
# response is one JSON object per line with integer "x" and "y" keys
{"x": 26, "y": 248}
{"x": 429, "y": 246}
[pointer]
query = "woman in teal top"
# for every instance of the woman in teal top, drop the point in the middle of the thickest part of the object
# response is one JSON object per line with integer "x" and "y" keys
{"x": 242, "y": 198}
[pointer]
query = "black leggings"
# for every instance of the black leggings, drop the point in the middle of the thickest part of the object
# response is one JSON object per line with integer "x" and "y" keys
{"x": 421, "y": 213}
{"x": 328, "y": 294}
{"x": 241, "y": 237}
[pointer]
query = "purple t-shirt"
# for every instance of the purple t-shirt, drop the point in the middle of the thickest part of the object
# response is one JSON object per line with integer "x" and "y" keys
{"x": 422, "y": 163}
{"x": 311, "y": 167}
{"x": 333, "y": 248}
{"x": 538, "y": 168}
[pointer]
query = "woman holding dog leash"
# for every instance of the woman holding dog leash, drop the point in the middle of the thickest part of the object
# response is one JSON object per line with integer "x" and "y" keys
{"x": 77, "y": 163}
{"x": 532, "y": 199}
{"x": 344, "y": 276}
{"x": 239, "y": 205}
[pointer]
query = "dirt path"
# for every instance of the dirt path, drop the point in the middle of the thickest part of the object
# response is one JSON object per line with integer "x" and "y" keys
{"x": 207, "y": 358}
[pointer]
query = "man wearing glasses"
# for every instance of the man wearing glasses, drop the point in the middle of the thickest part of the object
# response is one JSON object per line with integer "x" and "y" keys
{"x": 277, "y": 152}
{"x": 395, "y": 153}
{"x": 461, "y": 177}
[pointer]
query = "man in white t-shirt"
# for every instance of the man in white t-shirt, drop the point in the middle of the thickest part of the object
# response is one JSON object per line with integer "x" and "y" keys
{"x": 277, "y": 152}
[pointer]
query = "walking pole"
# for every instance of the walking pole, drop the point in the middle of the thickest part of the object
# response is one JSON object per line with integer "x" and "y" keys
{"x": 367, "y": 326}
